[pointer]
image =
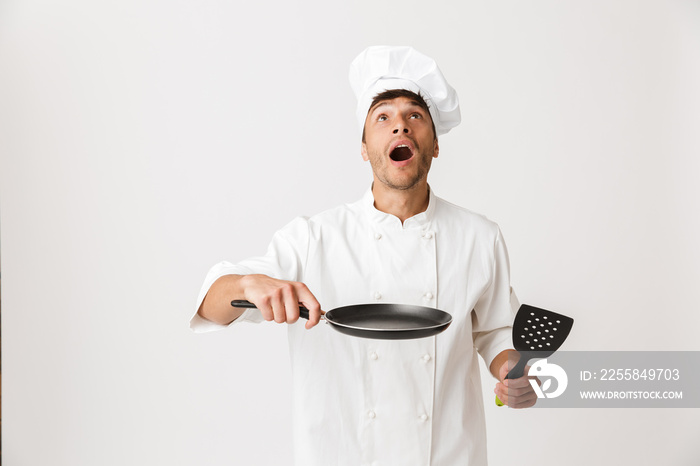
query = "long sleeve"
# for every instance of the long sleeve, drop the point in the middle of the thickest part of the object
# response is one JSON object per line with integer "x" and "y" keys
{"x": 284, "y": 260}
{"x": 495, "y": 310}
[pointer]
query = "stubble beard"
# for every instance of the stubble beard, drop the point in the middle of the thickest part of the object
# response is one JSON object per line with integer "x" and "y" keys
{"x": 381, "y": 166}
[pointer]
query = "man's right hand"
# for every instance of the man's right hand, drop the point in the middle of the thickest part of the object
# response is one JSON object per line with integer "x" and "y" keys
{"x": 277, "y": 300}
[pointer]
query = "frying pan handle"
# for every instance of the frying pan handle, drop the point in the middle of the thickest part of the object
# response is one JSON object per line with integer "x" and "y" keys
{"x": 242, "y": 303}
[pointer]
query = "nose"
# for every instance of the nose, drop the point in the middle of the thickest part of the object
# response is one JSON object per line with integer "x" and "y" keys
{"x": 401, "y": 126}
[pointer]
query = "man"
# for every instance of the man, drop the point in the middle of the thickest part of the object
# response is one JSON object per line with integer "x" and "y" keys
{"x": 406, "y": 402}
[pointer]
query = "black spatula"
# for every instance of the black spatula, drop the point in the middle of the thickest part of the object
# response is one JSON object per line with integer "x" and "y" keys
{"x": 537, "y": 333}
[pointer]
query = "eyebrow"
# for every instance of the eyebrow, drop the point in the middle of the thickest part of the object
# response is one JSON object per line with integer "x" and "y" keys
{"x": 382, "y": 103}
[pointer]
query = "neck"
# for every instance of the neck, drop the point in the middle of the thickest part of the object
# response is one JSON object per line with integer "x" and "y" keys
{"x": 401, "y": 203}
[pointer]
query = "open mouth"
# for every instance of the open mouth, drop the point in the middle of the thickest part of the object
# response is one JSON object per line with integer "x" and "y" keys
{"x": 400, "y": 153}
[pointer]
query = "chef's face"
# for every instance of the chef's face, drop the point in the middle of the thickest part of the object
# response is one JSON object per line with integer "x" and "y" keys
{"x": 399, "y": 143}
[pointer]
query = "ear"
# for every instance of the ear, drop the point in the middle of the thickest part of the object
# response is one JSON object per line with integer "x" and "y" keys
{"x": 363, "y": 151}
{"x": 436, "y": 149}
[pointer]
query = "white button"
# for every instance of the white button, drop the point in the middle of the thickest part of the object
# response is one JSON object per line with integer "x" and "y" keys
{"x": 377, "y": 236}
{"x": 428, "y": 295}
{"x": 423, "y": 417}
{"x": 371, "y": 414}
{"x": 428, "y": 235}
{"x": 373, "y": 356}
{"x": 426, "y": 358}
{"x": 377, "y": 295}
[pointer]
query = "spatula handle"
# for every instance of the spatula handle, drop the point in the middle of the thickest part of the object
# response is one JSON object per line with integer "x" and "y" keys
{"x": 519, "y": 369}
{"x": 303, "y": 312}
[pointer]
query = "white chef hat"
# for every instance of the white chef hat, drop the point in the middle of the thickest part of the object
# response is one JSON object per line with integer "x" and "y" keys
{"x": 381, "y": 68}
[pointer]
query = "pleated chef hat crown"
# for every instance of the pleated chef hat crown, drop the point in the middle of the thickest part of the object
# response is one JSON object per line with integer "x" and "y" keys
{"x": 381, "y": 68}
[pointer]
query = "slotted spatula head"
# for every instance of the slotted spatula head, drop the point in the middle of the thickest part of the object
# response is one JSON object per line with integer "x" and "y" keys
{"x": 540, "y": 330}
{"x": 537, "y": 333}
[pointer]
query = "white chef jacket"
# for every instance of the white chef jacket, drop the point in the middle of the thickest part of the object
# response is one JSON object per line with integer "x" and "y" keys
{"x": 390, "y": 402}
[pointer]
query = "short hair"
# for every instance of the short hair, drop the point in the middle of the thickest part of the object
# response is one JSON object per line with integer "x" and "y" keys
{"x": 392, "y": 94}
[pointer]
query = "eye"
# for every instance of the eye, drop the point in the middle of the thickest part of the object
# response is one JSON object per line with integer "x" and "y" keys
{"x": 381, "y": 117}
{"x": 416, "y": 115}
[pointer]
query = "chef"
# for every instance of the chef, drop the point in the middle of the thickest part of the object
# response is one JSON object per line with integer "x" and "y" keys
{"x": 386, "y": 402}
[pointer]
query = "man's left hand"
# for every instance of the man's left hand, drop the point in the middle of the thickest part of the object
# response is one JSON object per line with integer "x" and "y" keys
{"x": 516, "y": 393}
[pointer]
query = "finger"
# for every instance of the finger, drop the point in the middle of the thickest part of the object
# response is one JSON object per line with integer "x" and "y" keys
{"x": 265, "y": 308}
{"x": 517, "y": 383}
{"x": 291, "y": 304}
{"x": 502, "y": 393}
{"x": 505, "y": 368}
{"x": 523, "y": 401}
{"x": 509, "y": 364}
{"x": 518, "y": 398}
{"x": 519, "y": 391}
{"x": 513, "y": 400}
{"x": 277, "y": 303}
{"x": 311, "y": 303}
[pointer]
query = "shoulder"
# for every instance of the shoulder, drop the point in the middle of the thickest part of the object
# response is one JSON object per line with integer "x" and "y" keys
{"x": 337, "y": 216}
{"x": 454, "y": 216}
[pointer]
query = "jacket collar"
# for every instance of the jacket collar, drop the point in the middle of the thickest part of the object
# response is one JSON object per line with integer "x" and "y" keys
{"x": 421, "y": 220}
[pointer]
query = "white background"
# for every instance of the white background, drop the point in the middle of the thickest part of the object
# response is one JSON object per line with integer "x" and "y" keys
{"x": 143, "y": 141}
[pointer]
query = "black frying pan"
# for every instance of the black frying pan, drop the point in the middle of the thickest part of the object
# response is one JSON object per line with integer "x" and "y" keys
{"x": 380, "y": 321}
